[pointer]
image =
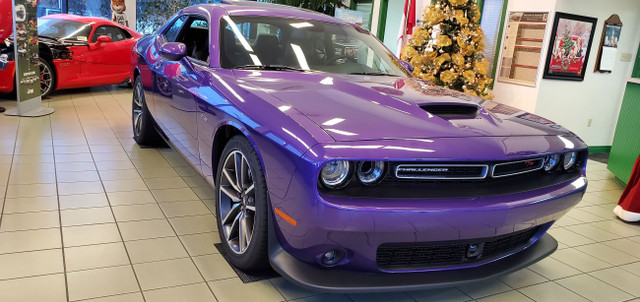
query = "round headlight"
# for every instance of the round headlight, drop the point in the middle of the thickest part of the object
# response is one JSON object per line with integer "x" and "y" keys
{"x": 569, "y": 159}
{"x": 335, "y": 173}
{"x": 551, "y": 162}
{"x": 370, "y": 172}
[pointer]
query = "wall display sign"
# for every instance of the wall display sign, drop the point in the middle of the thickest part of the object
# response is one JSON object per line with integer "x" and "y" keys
{"x": 569, "y": 48}
{"x": 27, "y": 61}
{"x": 608, "y": 44}
{"x": 26, "y": 49}
{"x": 523, "y": 40}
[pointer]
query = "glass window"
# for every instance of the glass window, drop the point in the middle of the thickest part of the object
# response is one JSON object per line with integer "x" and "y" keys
{"x": 267, "y": 42}
{"x": 116, "y": 34}
{"x": 63, "y": 29}
{"x": 172, "y": 32}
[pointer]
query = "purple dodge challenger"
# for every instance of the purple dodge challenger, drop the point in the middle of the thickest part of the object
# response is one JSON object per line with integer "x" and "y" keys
{"x": 334, "y": 165}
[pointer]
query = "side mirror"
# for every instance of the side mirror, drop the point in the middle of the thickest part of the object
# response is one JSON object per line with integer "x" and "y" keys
{"x": 173, "y": 51}
{"x": 406, "y": 65}
{"x": 103, "y": 39}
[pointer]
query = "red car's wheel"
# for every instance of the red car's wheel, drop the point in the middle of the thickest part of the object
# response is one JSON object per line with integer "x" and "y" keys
{"x": 47, "y": 78}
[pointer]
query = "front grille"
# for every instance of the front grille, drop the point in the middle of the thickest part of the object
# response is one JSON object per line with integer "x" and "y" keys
{"x": 431, "y": 255}
{"x": 517, "y": 167}
{"x": 437, "y": 171}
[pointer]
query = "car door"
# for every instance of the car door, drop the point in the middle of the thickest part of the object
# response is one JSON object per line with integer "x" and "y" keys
{"x": 108, "y": 62}
{"x": 176, "y": 85}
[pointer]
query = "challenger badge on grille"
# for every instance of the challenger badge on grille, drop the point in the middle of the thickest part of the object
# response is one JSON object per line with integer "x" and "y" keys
{"x": 441, "y": 171}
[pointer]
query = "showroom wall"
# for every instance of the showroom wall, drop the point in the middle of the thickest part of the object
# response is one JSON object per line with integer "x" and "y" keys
{"x": 588, "y": 108}
{"x": 599, "y": 96}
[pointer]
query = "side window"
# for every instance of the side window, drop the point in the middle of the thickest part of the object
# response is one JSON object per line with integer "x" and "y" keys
{"x": 172, "y": 32}
{"x": 195, "y": 36}
{"x": 115, "y": 33}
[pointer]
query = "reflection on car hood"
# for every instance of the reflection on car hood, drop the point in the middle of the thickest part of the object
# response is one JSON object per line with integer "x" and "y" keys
{"x": 355, "y": 107}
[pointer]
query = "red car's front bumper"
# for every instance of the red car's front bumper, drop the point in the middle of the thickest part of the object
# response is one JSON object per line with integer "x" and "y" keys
{"x": 7, "y": 76}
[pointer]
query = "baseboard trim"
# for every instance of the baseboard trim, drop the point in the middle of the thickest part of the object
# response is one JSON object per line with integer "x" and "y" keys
{"x": 599, "y": 149}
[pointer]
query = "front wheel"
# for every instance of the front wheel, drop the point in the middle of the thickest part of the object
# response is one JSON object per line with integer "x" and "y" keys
{"x": 47, "y": 77}
{"x": 241, "y": 207}
{"x": 144, "y": 132}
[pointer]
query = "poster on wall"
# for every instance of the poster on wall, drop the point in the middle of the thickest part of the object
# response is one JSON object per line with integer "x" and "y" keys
{"x": 568, "y": 54}
{"x": 26, "y": 50}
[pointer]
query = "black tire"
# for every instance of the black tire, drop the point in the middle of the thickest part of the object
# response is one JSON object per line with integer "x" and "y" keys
{"x": 144, "y": 131}
{"x": 47, "y": 78}
{"x": 253, "y": 255}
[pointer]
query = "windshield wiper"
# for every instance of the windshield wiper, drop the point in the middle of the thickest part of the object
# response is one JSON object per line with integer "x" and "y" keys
{"x": 372, "y": 73}
{"x": 270, "y": 67}
{"x": 47, "y": 37}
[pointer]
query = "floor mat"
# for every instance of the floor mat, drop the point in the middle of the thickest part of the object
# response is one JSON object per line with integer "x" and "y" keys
{"x": 248, "y": 276}
{"x": 600, "y": 157}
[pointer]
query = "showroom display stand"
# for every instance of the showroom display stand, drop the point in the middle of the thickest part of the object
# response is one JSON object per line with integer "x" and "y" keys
{"x": 29, "y": 108}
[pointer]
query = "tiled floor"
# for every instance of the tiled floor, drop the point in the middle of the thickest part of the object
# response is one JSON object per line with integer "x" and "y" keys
{"x": 84, "y": 219}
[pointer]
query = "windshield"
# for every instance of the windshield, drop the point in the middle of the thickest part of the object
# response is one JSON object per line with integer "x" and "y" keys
{"x": 290, "y": 44}
{"x": 64, "y": 29}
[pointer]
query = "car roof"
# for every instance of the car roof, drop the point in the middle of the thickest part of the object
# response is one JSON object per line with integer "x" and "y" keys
{"x": 237, "y": 8}
{"x": 87, "y": 20}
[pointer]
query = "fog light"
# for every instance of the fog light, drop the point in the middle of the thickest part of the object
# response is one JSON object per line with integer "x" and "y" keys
{"x": 332, "y": 257}
{"x": 569, "y": 159}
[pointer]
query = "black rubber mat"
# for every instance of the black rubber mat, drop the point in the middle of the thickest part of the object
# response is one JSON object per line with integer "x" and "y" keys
{"x": 248, "y": 276}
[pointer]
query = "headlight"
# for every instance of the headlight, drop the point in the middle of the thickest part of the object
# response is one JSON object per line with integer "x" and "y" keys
{"x": 335, "y": 173}
{"x": 551, "y": 162}
{"x": 370, "y": 172}
{"x": 569, "y": 159}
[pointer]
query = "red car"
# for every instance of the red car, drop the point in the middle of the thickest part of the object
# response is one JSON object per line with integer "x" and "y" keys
{"x": 74, "y": 52}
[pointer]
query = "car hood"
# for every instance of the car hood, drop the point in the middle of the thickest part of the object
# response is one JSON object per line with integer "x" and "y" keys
{"x": 357, "y": 107}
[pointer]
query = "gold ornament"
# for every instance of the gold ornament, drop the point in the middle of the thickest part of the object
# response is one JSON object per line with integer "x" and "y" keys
{"x": 448, "y": 76}
{"x": 443, "y": 41}
{"x": 460, "y": 17}
{"x": 408, "y": 52}
{"x": 457, "y": 58}
{"x": 469, "y": 76}
{"x": 458, "y": 2}
{"x": 481, "y": 67}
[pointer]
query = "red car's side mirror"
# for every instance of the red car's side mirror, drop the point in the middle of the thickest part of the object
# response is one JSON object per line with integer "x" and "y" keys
{"x": 103, "y": 39}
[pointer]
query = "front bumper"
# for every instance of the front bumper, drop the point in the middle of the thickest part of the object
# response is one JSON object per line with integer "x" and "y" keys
{"x": 328, "y": 280}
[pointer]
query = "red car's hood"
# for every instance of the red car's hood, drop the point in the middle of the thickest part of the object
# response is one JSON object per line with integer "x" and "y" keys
{"x": 353, "y": 107}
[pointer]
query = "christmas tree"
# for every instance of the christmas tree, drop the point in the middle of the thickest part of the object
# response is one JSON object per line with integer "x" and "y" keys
{"x": 446, "y": 48}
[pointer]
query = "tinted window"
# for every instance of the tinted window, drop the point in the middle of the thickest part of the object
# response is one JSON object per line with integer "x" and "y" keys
{"x": 116, "y": 34}
{"x": 195, "y": 35}
{"x": 64, "y": 29}
{"x": 172, "y": 32}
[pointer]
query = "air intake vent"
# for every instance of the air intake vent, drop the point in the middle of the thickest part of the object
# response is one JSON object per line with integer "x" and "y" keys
{"x": 451, "y": 110}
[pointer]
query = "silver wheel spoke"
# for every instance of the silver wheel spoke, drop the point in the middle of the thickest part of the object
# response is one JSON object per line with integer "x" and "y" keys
{"x": 231, "y": 181}
{"x": 234, "y": 229}
{"x": 233, "y": 213}
{"x": 250, "y": 208}
{"x": 227, "y": 191}
{"x": 248, "y": 191}
{"x": 238, "y": 164}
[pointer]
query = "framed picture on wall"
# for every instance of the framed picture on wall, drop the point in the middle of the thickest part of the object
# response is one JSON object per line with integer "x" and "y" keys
{"x": 569, "y": 47}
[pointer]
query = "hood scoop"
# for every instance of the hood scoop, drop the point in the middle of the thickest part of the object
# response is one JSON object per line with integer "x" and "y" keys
{"x": 448, "y": 111}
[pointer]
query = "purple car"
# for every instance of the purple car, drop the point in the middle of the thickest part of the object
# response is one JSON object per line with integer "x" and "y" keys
{"x": 335, "y": 166}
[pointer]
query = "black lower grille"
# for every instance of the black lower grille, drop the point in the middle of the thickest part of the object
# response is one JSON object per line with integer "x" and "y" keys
{"x": 429, "y": 255}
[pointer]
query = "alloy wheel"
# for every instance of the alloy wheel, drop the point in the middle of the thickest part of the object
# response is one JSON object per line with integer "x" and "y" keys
{"x": 45, "y": 78}
{"x": 137, "y": 109}
{"x": 237, "y": 202}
